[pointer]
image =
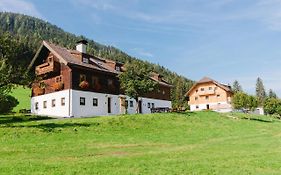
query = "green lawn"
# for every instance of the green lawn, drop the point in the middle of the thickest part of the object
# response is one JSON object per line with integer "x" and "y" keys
{"x": 23, "y": 96}
{"x": 190, "y": 143}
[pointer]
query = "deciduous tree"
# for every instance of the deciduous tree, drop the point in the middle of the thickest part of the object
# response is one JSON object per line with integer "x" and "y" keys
{"x": 136, "y": 81}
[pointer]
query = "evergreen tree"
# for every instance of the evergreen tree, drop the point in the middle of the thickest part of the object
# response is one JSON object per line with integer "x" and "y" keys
{"x": 31, "y": 31}
{"x": 236, "y": 87}
{"x": 272, "y": 94}
{"x": 260, "y": 92}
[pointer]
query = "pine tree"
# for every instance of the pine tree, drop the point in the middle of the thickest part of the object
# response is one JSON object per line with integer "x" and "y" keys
{"x": 236, "y": 87}
{"x": 260, "y": 91}
{"x": 272, "y": 94}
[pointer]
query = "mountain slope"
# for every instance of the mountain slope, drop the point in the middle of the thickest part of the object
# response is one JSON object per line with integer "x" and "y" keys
{"x": 31, "y": 31}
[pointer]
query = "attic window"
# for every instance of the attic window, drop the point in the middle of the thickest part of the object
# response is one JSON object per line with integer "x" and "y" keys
{"x": 117, "y": 68}
{"x": 85, "y": 60}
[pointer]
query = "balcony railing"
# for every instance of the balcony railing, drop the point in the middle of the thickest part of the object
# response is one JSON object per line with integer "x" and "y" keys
{"x": 47, "y": 68}
{"x": 207, "y": 92}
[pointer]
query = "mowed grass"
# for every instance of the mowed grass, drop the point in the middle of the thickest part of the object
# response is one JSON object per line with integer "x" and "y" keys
{"x": 188, "y": 143}
{"x": 22, "y": 94}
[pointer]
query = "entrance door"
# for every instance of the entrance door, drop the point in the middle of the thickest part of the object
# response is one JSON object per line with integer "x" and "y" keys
{"x": 140, "y": 106}
{"x": 208, "y": 106}
{"x": 109, "y": 105}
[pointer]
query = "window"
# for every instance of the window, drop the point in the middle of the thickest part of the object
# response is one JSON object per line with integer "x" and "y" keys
{"x": 196, "y": 98}
{"x": 202, "y": 89}
{"x": 210, "y": 88}
{"x": 196, "y": 90}
{"x": 126, "y": 103}
{"x": 109, "y": 82}
{"x": 152, "y": 105}
{"x": 148, "y": 105}
{"x": 117, "y": 68}
{"x": 62, "y": 101}
{"x": 218, "y": 95}
{"x": 207, "y": 97}
{"x": 85, "y": 60}
{"x": 36, "y": 106}
{"x": 58, "y": 79}
{"x": 94, "y": 81}
{"x": 82, "y": 101}
{"x": 54, "y": 103}
{"x": 44, "y": 104}
{"x": 95, "y": 102}
{"x": 131, "y": 104}
{"x": 82, "y": 77}
{"x": 197, "y": 107}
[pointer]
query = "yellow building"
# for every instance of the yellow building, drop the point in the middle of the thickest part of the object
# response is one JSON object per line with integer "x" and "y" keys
{"x": 208, "y": 94}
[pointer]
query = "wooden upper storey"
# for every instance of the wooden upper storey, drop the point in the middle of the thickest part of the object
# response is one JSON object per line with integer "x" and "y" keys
{"x": 58, "y": 68}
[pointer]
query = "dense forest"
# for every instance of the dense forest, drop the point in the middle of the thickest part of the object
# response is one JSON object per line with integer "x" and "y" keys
{"x": 30, "y": 31}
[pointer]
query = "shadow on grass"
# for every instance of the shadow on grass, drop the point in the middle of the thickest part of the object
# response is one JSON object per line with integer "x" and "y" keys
{"x": 10, "y": 119}
{"x": 258, "y": 119}
{"x": 186, "y": 113}
{"x": 51, "y": 127}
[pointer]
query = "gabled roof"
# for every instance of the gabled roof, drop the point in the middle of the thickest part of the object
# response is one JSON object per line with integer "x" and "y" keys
{"x": 64, "y": 55}
{"x": 67, "y": 57}
{"x": 209, "y": 80}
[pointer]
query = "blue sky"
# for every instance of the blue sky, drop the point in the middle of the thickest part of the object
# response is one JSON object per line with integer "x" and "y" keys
{"x": 222, "y": 39}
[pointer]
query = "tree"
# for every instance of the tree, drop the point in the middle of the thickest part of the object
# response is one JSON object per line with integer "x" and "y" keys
{"x": 242, "y": 100}
{"x": 272, "y": 94}
{"x": 252, "y": 102}
{"x": 260, "y": 92}
{"x": 236, "y": 87}
{"x": 136, "y": 81}
{"x": 11, "y": 71}
{"x": 272, "y": 105}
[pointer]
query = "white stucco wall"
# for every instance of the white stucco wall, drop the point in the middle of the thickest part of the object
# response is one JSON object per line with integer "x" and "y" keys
{"x": 73, "y": 108}
{"x": 221, "y": 107}
{"x": 90, "y": 110}
{"x": 58, "y": 110}
{"x": 157, "y": 104}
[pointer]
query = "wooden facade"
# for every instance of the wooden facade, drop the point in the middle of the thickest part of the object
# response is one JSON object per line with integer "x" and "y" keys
{"x": 54, "y": 75}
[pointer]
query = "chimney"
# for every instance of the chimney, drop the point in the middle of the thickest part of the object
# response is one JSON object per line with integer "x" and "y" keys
{"x": 81, "y": 46}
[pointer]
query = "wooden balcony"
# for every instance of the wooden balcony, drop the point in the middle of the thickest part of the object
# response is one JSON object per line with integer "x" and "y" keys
{"x": 207, "y": 92}
{"x": 47, "y": 67}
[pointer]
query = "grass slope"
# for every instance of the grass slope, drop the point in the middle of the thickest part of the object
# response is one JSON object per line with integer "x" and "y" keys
{"x": 22, "y": 94}
{"x": 191, "y": 143}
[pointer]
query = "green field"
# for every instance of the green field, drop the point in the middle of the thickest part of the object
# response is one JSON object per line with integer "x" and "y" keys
{"x": 189, "y": 143}
{"x": 22, "y": 94}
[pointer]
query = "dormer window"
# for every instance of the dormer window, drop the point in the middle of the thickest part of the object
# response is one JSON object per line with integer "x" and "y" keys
{"x": 117, "y": 68}
{"x": 85, "y": 60}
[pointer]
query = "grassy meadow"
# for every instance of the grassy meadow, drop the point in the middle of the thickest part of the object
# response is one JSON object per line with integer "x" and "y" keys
{"x": 23, "y": 95}
{"x": 171, "y": 143}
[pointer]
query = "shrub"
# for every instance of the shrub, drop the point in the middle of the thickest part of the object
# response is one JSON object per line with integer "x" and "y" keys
{"x": 7, "y": 103}
{"x": 272, "y": 106}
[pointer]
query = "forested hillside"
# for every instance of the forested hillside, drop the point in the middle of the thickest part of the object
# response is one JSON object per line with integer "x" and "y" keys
{"x": 30, "y": 32}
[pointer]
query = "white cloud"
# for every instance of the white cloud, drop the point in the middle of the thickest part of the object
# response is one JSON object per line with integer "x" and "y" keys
{"x": 19, "y": 6}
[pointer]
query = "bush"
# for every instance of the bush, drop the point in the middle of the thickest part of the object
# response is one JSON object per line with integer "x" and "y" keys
{"x": 7, "y": 103}
{"x": 272, "y": 106}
